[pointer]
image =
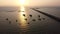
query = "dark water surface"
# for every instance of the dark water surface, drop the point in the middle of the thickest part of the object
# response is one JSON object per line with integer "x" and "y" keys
{"x": 27, "y": 22}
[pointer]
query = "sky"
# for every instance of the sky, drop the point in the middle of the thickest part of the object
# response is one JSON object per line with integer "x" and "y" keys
{"x": 30, "y": 3}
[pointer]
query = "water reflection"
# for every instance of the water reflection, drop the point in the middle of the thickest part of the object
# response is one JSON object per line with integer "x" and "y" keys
{"x": 23, "y": 22}
{"x": 22, "y": 8}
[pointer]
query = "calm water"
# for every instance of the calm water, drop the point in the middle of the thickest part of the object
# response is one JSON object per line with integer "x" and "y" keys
{"x": 28, "y": 21}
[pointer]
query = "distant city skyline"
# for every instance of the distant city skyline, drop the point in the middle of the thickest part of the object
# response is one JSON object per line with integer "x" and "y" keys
{"x": 30, "y": 3}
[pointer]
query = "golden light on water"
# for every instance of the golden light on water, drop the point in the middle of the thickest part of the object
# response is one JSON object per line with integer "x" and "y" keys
{"x": 23, "y": 22}
{"x": 22, "y": 8}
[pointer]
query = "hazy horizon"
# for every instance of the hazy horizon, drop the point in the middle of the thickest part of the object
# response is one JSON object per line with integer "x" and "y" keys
{"x": 31, "y": 3}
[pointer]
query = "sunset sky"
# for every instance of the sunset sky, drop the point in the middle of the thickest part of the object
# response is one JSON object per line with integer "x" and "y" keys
{"x": 30, "y": 3}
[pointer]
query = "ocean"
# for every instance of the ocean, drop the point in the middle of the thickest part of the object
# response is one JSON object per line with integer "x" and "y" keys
{"x": 13, "y": 20}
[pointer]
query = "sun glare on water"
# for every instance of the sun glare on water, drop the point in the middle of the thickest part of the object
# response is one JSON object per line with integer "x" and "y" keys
{"x": 22, "y": 8}
{"x": 23, "y": 22}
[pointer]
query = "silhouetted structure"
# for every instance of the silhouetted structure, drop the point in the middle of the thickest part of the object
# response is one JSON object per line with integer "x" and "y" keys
{"x": 28, "y": 23}
{"x": 6, "y": 18}
{"x": 26, "y": 19}
{"x": 16, "y": 20}
{"x": 38, "y": 15}
{"x": 39, "y": 19}
{"x": 33, "y": 20}
{"x": 22, "y": 11}
{"x": 43, "y": 18}
{"x": 30, "y": 15}
{"x": 24, "y": 15}
{"x": 51, "y": 16}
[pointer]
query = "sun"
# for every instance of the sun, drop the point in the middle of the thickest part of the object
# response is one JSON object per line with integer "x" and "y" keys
{"x": 22, "y": 2}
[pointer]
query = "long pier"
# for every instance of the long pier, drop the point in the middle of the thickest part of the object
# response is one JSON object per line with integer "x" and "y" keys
{"x": 51, "y": 16}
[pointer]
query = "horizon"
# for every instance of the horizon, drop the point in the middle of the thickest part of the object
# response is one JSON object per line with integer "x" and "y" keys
{"x": 31, "y": 3}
